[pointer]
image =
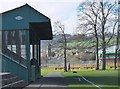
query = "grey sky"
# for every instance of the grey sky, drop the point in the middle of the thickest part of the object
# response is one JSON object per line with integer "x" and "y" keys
{"x": 62, "y": 10}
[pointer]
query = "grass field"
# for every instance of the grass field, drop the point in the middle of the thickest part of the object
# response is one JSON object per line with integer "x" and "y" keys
{"x": 90, "y": 79}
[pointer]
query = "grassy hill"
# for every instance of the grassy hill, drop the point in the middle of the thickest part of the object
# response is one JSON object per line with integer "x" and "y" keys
{"x": 88, "y": 43}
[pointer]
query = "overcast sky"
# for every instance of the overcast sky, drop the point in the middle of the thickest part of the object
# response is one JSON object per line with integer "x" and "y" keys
{"x": 62, "y": 10}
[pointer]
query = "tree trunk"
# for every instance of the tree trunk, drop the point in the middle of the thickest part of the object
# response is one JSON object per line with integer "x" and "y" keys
{"x": 116, "y": 54}
{"x": 97, "y": 58}
{"x": 103, "y": 22}
{"x": 97, "y": 42}
{"x": 65, "y": 61}
{"x": 103, "y": 46}
{"x": 117, "y": 48}
{"x": 115, "y": 60}
{"x": 104, "y": 57}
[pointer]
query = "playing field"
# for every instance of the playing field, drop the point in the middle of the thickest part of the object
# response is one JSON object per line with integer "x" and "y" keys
{"x": 90, "y": 79}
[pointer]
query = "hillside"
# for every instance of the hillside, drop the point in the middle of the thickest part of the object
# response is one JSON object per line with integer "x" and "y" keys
{"x": 78, "y": 48}
{"x": 88, "y": 43}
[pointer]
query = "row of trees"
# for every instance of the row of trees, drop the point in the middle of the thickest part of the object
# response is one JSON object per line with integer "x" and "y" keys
{"x": 97, "y": 18}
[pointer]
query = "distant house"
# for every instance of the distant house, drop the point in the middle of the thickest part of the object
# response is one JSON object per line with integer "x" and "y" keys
{"x": 21, "y": 31}
{"x": 110, "y": 53}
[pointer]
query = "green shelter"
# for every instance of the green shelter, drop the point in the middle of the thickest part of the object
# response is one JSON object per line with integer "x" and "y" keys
{"x": 21, "y": 30}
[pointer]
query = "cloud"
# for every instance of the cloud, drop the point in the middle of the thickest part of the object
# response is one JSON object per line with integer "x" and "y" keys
{"x": 55, "y": 10}
{"x": 59, "y": 11}
{"x": 71, "y": 24}
{"x": 62, "y": 10}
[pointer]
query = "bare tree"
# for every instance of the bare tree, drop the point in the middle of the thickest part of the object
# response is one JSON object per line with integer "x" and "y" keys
{"x": 107, "y": 21}
{"x": 99, "y": 18}
{"x": 117, "y": 39}
{"x": 89, "y": 16}
{"x": 60, "y": 29}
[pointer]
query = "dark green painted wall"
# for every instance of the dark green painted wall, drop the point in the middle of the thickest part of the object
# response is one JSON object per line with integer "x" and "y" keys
{"x": 27, "y": 13}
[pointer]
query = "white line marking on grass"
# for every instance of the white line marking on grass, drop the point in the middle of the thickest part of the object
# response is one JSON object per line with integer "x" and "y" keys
{"x": 90, "y": 82}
